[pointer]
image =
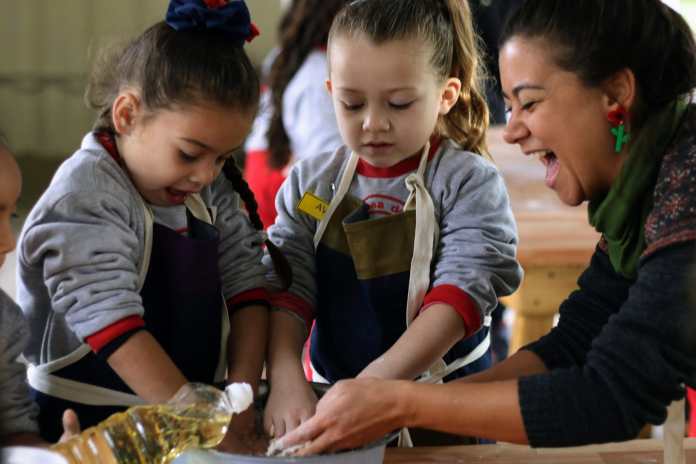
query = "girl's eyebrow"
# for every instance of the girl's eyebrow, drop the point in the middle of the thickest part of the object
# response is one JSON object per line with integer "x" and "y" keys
{"x": 197, "y": 143}
{"x": 207, "y": 147}
{"x": 394, "y": 90}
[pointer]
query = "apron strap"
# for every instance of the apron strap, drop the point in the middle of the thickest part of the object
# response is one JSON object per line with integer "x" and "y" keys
{"x": 426, "y": 237}
{"x": 343, "y": 187}
{"x": 440, "y": 370}
{"x": 198, "y": 208}
{"x": 147, "y": 246}
{"x": 41, "y": 379}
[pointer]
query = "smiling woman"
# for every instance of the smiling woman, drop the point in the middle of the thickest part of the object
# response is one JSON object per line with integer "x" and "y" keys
{"x": 578, "y": 77}
{"x": 539, "y": 90}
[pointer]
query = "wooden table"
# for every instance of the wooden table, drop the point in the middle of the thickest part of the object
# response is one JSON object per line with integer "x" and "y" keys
{"x": 555, "y": 244}
{"x": 631, "y": 452}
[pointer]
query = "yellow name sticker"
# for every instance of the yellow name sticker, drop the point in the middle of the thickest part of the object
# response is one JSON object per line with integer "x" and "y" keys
{"x": 313, "y": 205}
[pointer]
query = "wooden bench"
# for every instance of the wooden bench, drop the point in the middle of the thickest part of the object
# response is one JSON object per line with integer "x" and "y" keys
{"x": 630, "y": 452}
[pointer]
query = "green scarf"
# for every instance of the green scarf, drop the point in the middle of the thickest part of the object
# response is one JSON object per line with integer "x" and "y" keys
{"x": 621, "y": 214}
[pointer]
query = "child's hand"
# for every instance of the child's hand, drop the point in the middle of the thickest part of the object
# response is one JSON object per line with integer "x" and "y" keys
{"x": 71, "y": 425}
{"x": 243, "y": 437}
{"x": 289, "y": 404}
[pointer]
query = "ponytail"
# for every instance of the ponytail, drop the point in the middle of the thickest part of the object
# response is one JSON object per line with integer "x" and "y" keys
{"x": 467, "y": 121}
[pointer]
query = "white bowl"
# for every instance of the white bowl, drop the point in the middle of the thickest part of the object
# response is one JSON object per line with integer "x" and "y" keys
{"x": 29, "y": 455}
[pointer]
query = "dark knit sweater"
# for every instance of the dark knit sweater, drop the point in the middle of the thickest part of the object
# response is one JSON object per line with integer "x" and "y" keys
{"x": 622, "y": 349}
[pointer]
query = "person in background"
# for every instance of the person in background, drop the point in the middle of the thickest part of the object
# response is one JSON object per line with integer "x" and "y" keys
{"x": 401, "y": 240}
{"x": 296, "y": 118}
{"x": 18, "y": 412}
{"x": 489, "y": 19}
{"x": 139, "y": 270}
{"x": 600, "y": 92}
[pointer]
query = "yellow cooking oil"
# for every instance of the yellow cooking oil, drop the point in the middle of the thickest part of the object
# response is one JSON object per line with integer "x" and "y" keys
{"x": 153, "y": 434}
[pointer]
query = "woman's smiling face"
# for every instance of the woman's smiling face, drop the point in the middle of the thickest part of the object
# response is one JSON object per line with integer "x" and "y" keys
{"x": 554, "y": 115}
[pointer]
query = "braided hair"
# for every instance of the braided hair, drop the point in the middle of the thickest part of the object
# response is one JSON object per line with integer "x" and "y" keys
{"x": 280, "y": 262}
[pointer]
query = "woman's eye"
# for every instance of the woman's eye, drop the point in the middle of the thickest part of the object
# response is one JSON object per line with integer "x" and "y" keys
{"x": 529, "y": 105}
{"x": 400, "y": 106}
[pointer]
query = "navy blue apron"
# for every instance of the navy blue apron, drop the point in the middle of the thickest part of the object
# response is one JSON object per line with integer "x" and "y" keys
{"x": 183, "y": 311}
{"x": 363, "y": 272}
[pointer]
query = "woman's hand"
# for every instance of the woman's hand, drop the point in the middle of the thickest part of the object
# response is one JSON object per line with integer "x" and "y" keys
{"x": 290, "y": 403}
{"x": 351, "y": 414}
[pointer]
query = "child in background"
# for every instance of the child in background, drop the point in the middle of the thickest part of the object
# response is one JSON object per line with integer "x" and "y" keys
{"x": 296, "y": 119}
{"x": 18, "y": 412}
{"x": 402, "y": 240}
{"x": 127, "y": 260}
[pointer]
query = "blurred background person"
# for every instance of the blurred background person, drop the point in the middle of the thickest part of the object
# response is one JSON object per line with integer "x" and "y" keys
{"x": 296, "y": 118}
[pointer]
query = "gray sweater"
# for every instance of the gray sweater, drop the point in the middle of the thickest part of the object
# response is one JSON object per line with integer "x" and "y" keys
{"x": 478, "y": 235}
{"x": 17, "y": 411}
{"x": 81, "y": 246}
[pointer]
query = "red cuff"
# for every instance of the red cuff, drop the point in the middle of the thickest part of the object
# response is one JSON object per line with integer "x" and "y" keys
{"x": 254, "y": 296}
{"x": 459, "y": 300}
{"x": 98, "y": 340}
{"x": 286, "y": 300}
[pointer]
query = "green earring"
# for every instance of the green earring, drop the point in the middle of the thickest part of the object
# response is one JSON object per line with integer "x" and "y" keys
{"x": 617, "y": 118}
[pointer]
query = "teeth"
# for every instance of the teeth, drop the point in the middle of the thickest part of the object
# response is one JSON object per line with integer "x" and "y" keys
{"x": 540, "y": 154}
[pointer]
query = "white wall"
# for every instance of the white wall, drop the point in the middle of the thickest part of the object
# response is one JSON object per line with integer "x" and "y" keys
{"x": 44, "y": 58}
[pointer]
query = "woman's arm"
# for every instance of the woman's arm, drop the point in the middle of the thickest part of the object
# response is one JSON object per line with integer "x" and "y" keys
{"x": 633, "y": 370}
{"x": 355, "y": 412}
{"x": 520, "y": 364}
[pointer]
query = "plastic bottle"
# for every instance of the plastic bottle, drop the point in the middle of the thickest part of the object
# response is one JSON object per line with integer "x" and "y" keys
{"x": 197, "y": 416}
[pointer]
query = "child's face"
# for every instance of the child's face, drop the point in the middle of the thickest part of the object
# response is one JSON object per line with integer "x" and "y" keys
{"x": 179, "y": 151}
{"x": 10, "y": 187}
{"x": 387, "y": 97}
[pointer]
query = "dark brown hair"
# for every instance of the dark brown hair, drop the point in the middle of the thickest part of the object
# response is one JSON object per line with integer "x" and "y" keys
{"x": 305, "y": 27}
{"x": 596, "y": 38}
{"x": 178, "y": 68}
{"x": 446, "y": 25}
